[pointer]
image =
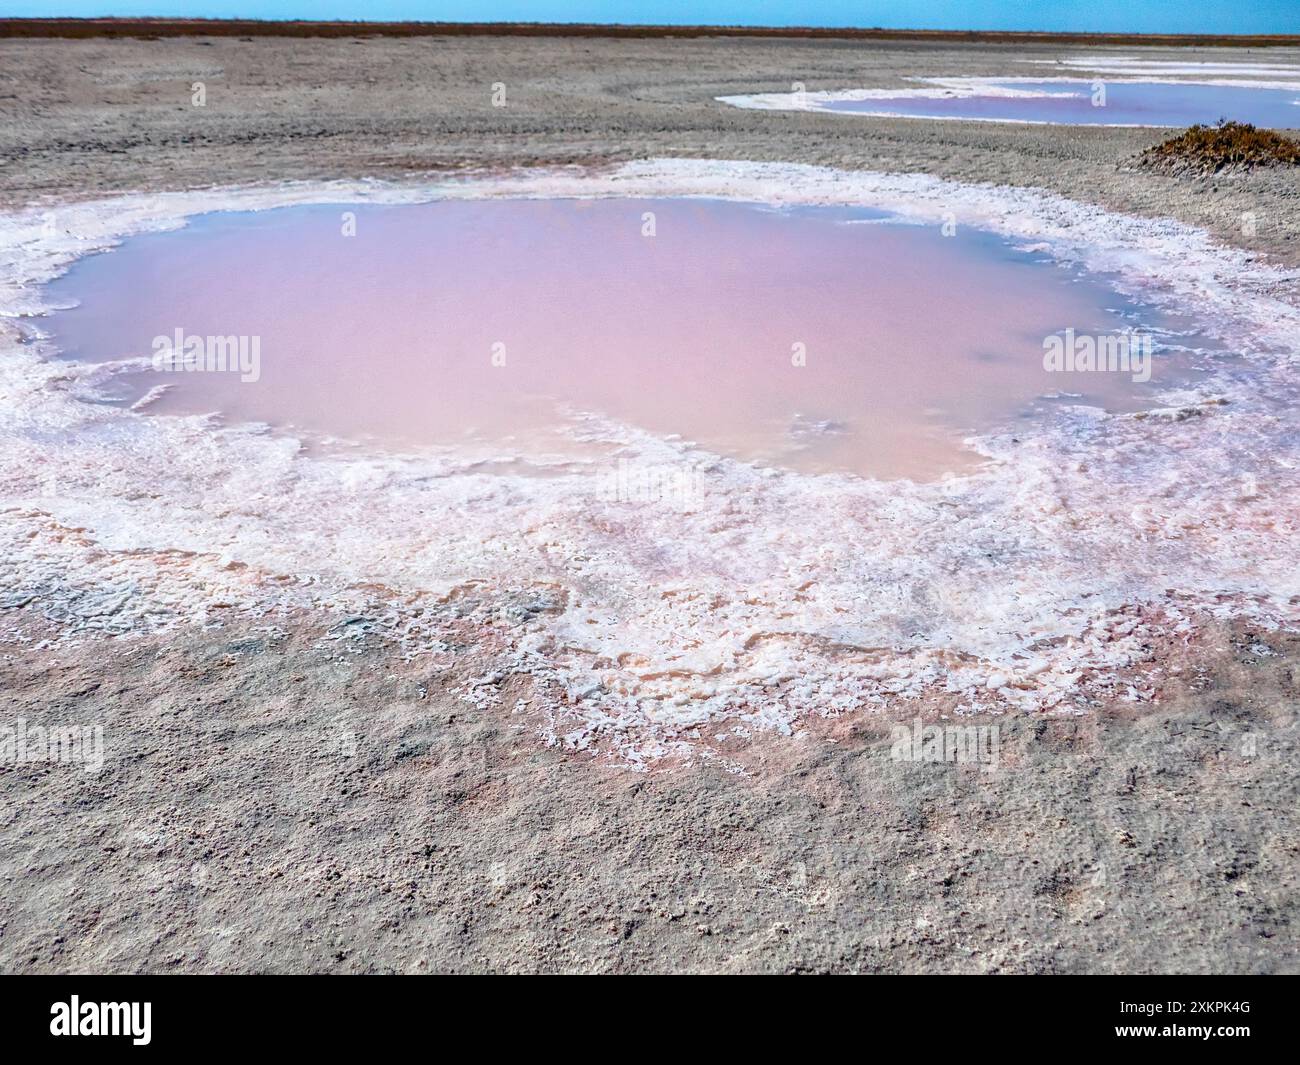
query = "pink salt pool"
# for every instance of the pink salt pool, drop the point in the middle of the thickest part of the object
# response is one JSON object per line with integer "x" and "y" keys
{"x": 818, "y": 339}
{"x": 1076, "y": 102}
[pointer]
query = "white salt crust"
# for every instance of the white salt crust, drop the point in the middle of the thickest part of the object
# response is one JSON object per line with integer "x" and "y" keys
{"x": 764, "y": 599}
{"x": 1235, "y": 73}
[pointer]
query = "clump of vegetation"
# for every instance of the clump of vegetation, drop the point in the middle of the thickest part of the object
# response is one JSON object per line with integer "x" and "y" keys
{"x": 1227, "y": 146}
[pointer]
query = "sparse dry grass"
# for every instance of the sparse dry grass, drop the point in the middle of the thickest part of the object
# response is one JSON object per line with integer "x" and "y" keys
{"x": 1226, "y": 146}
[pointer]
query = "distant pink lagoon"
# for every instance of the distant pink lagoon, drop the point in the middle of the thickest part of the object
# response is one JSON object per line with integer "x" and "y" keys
{"x": 820, "y": 339}
{"x": 1077, "y": 103}
{"x": 1070, "y": 101}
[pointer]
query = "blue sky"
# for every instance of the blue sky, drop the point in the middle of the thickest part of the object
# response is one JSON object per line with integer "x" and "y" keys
{"x": 1131, "y": 16}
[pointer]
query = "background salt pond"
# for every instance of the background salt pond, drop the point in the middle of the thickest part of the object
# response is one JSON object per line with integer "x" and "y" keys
{"x": 1120, "y": 91}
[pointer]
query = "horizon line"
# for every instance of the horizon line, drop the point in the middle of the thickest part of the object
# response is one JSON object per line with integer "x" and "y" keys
{"x": 157, "y": 26}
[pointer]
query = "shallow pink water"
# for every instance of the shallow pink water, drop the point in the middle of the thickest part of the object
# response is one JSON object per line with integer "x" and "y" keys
{"x": 912, "y": 339}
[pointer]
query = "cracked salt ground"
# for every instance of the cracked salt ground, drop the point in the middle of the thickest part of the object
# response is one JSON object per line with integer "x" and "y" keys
{"x": 770, "y": 595}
